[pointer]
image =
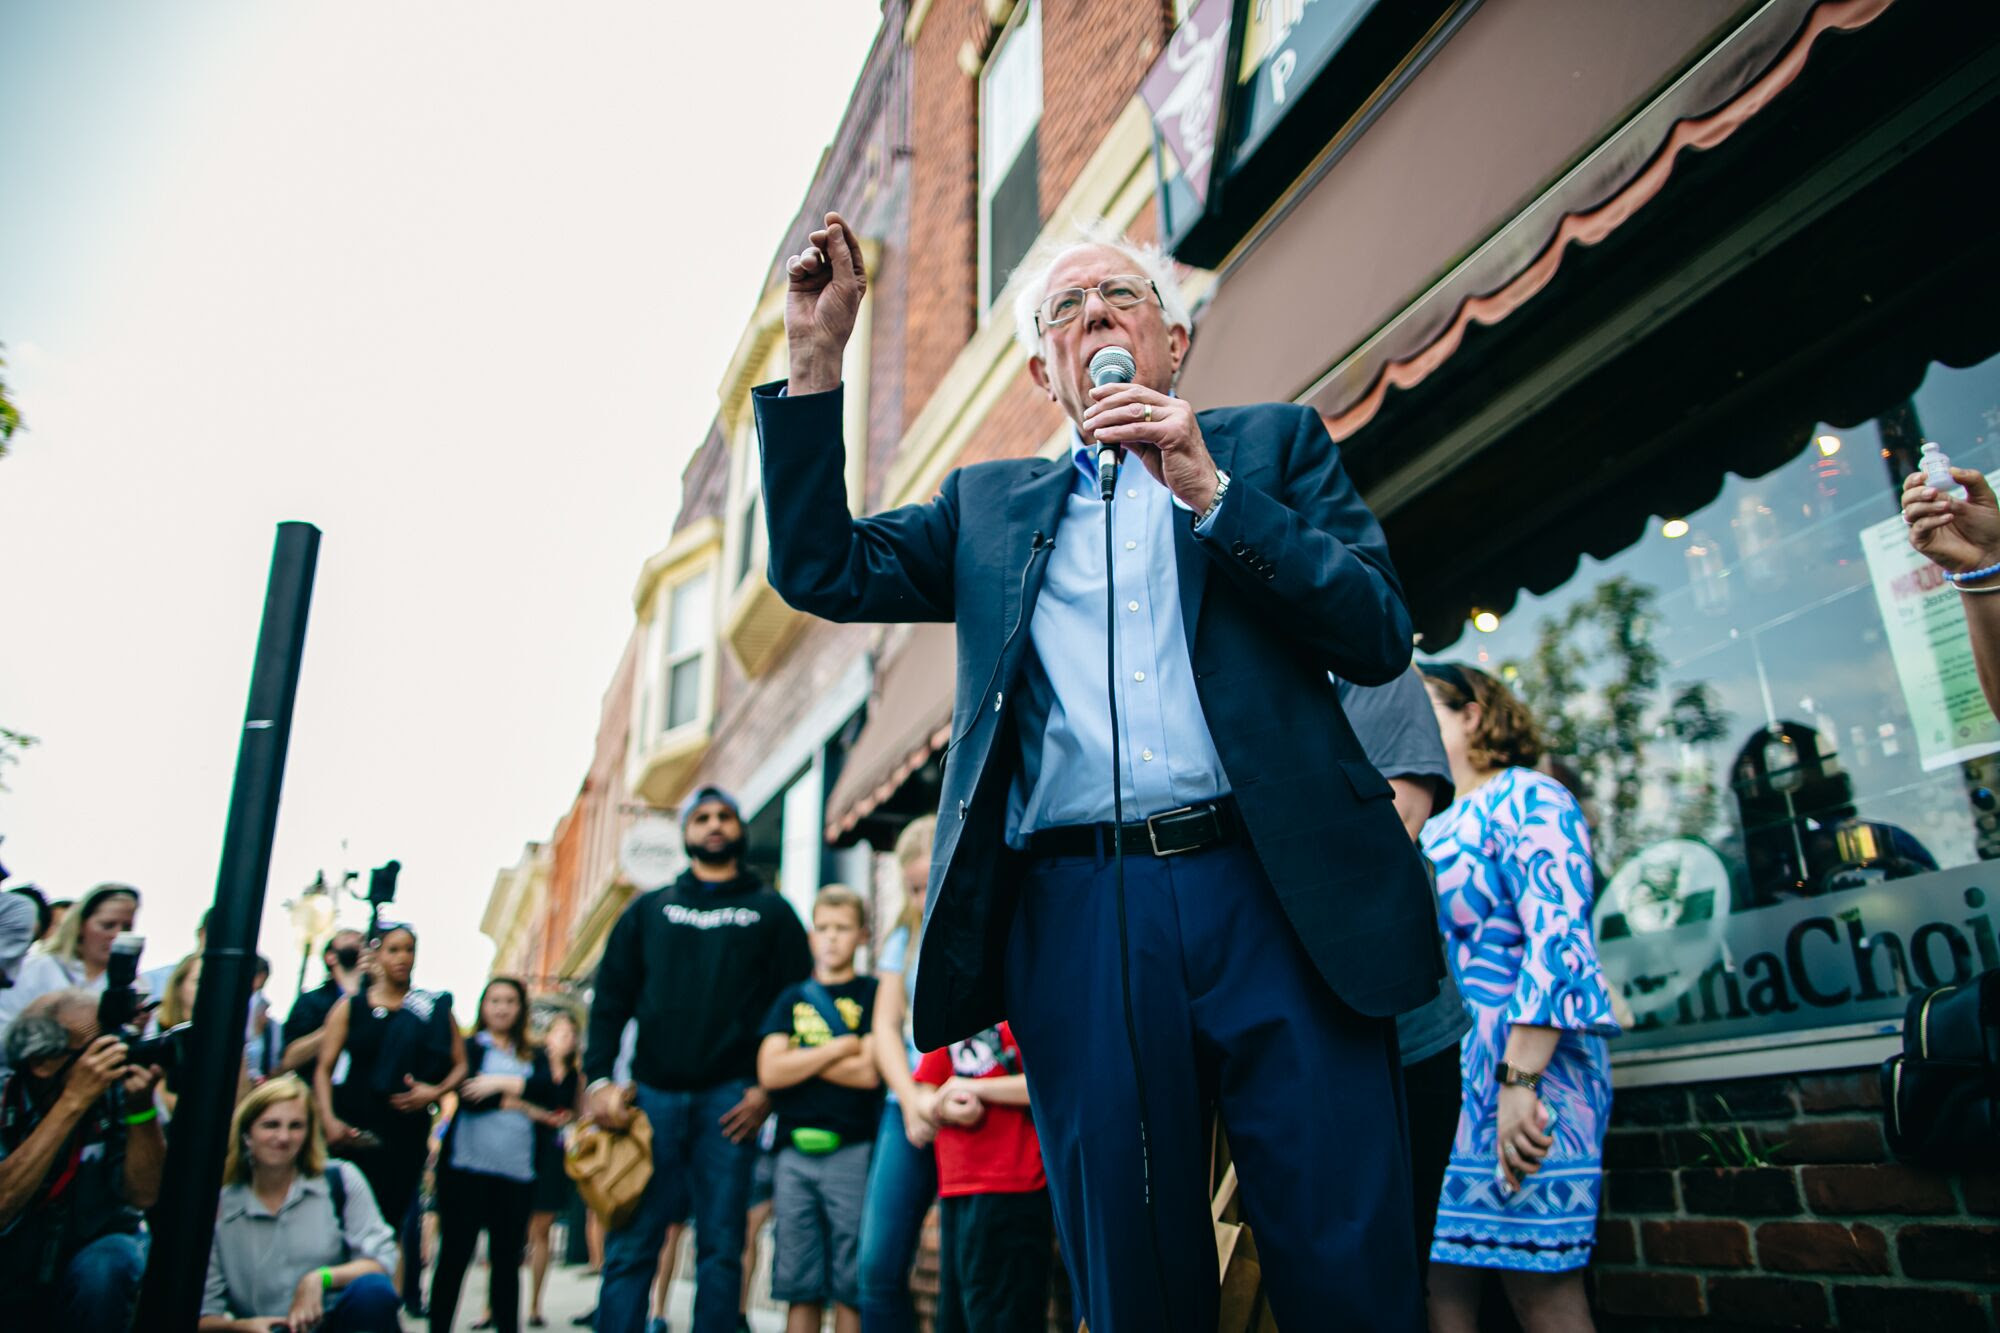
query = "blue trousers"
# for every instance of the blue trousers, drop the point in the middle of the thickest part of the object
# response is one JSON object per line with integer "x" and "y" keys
{"x": 693, "y": 1162}
{"x": 902, "y": 1184}
{"x": 366, "y": 1305}
{"x": 95, "y": 1292}
{"x": 1231, "y": 1016}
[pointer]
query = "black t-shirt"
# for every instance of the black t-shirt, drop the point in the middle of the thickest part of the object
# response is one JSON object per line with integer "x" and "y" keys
{"x": 309, "y": 1011}
{"x": 1399, "y": 732}
{"x": 852, "y": 1113}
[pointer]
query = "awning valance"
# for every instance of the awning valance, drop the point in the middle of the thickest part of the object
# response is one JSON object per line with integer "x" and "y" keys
{"x": 1702, "y": 110}
{"x": 1530, "y": 113}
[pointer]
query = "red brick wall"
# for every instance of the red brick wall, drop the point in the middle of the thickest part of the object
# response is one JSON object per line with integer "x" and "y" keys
{"x": 585, "y": 860}
{"x": 1821, "y": 1231}
{"x": 1094, "y": 53}
{"x": 552, "y": 936}
{"x": 705, "y": 480}
{"x": 944, "y": 199}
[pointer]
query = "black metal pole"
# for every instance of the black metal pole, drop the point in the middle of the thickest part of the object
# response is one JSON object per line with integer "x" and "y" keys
{"x": 184, "y": 1221}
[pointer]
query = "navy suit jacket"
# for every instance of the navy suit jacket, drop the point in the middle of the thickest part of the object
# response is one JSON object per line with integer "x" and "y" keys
{"x": 1291, "y": 581}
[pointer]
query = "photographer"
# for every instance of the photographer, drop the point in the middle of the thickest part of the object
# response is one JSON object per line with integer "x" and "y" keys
{"x": 80, "y": 1157}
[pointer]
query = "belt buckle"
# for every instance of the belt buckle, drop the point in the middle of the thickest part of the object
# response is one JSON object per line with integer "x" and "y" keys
{"x": 1153, "y": 829}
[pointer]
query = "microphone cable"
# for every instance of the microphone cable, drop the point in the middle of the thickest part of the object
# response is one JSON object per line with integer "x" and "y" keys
{"x": 1109, "y": 484}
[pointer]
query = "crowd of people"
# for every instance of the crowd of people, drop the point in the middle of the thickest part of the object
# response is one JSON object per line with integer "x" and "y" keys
{"x": 374, "y": 1136}
{"x": 779, "y": 1080}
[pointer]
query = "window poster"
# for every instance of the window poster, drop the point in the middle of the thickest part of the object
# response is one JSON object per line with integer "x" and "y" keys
{"x": 1926, "y": 630}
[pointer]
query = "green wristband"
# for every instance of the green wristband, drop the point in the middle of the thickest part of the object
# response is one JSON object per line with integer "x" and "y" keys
{"x": 326, "y": 1279}
{"x": 150, "y": 1113}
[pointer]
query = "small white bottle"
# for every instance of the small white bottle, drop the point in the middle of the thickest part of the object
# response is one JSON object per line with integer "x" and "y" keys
{"x": 1937, "y": 471}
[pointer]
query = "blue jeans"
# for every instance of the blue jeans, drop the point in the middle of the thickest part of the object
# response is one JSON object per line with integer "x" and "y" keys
{"x": 692, "y": 1161}
{"x": 900, "y": 1190}
{"x": 99, "y": 1286}
{"x": 366, "y": 1305}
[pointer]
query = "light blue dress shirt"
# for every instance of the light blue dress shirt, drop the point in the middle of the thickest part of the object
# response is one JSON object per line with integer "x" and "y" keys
{"x": 1168, "y": 759}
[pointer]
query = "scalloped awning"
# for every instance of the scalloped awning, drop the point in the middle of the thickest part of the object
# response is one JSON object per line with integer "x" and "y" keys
{"x": 1508, "y": 271}
{"x": 1539, "y": 123}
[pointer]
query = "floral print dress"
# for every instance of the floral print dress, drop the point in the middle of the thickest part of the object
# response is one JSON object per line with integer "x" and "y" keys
{"x": 1514, "y": 894}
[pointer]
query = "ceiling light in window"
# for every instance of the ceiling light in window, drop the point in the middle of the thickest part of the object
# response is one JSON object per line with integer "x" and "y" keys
{"x": 1829, "y": 445}
{"x": 1485, "y": 621}
{"x": 1674, "y": 527}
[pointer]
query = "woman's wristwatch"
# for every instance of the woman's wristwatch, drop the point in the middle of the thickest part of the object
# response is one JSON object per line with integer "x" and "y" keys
{"x": 1512, "y": 1077}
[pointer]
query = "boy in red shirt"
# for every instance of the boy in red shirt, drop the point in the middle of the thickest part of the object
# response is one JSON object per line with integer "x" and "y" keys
{"x": 993, "y": 1203}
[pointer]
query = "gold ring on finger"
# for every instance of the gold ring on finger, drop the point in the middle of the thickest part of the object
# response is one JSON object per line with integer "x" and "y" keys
{"x": 1146, "y": 412}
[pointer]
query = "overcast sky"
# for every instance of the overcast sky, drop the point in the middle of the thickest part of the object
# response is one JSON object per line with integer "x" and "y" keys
{"x": 455, "y": 282}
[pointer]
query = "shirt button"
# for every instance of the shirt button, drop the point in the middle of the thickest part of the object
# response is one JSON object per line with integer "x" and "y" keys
{"x": 1132, "y": 494}
{"x": 1131, "y": 606}
{"x": 1146, "y": 755}
{"x": 1138, "y": 675}
{"x": 1131, "y": 546}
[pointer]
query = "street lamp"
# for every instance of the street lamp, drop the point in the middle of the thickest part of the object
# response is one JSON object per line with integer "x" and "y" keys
{"x": 312, "y": 916}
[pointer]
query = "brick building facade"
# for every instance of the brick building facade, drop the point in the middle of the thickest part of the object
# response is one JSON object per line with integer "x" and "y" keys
{"x": 1572, "y": 281}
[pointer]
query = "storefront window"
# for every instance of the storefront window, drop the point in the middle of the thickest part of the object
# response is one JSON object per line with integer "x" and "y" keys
{"x": 1770, "y": 712}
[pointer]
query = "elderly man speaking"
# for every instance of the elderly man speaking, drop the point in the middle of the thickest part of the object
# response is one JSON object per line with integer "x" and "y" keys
{"x": 1267, "y": 915}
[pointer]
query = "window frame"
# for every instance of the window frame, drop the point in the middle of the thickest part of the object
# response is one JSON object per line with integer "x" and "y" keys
{"x": 1025, "y": 13}
{"x": 670, "y": 659}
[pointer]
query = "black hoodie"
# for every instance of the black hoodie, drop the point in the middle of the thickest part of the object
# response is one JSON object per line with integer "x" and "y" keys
{"x": 698, "y": 964}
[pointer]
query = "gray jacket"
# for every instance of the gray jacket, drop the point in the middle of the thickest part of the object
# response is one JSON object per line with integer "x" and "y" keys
{"x": 258, "y": 1258}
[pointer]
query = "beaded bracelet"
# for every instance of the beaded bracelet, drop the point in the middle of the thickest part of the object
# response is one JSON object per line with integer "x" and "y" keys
{"x": 1972, "y": 575}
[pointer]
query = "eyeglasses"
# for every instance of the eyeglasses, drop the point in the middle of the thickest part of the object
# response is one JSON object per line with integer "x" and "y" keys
{"x": 1121, "y": 291}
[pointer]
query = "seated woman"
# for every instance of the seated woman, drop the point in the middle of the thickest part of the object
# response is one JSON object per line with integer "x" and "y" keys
{"x": 299, "y": 1243}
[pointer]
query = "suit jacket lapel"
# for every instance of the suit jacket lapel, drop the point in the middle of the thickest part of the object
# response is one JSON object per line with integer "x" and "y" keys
{"x": 1190, "y": 565}
{"x": 1035, "y": 505}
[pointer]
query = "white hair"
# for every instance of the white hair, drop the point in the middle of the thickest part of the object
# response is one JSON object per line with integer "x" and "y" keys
{"x": 39, "y": 1033}
{"x": 1031, "y": 278}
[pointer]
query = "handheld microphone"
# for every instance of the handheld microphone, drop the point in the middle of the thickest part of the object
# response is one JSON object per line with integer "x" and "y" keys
{"x": 1111, "y": 365}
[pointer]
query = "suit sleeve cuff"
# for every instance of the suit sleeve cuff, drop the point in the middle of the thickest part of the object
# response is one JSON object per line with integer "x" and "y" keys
{"x": 776, "y": 389}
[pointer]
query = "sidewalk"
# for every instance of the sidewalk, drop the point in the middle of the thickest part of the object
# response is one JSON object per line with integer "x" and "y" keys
{"x": 571, "y": 1291}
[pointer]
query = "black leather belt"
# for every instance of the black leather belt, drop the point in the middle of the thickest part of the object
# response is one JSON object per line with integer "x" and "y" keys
{"x": 1192, "y": 828}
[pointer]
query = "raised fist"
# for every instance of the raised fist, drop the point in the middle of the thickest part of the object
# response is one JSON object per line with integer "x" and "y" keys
{"x": 827, "y": 281}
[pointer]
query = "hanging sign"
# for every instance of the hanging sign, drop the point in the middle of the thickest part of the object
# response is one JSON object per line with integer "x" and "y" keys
{"x": 652, "y": 854}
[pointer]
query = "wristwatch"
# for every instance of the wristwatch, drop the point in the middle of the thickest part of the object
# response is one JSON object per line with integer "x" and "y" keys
{"x": 1512, "y": 1077}
{"x": 1221, "y": 489}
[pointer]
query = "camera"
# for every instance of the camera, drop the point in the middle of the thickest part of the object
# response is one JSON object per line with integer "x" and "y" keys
{"x": 382, "y": 883}
{"x": 119, "y": 1006}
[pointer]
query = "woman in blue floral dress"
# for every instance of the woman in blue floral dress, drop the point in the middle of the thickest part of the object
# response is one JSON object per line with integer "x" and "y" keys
{"x": 1514, "y": 887}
